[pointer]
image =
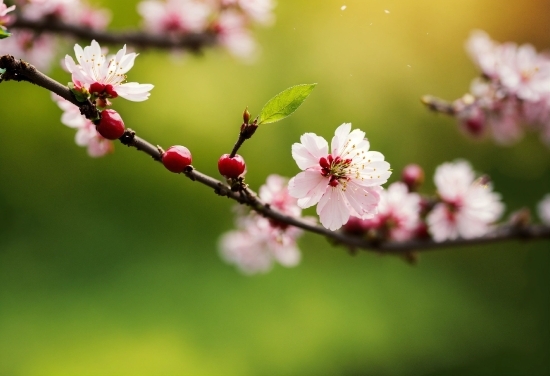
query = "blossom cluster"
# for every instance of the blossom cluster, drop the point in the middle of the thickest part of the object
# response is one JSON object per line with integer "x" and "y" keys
{"x": 465, "y": 207}
{"x": 229, "y": 20}
{"x": 76, "y": 12}
{"x": 258, "y": 242}
{"x": 346, "y": 186}
{"x": 86, "y": 133}
{"x": 512, "y": 94}
{"x": 98, "y": 78}
{"x": 40, "y": 48}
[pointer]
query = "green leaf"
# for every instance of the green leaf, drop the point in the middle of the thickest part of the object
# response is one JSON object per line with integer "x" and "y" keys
{"x": 80, "y": 96}
{"x": 4, "y": 33}
{"x": 285, "y": 103}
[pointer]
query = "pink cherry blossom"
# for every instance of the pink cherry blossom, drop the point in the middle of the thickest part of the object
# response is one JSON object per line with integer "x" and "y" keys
{"x": 483, "y": 52}
{"x": 399, "y": 211}
{"x": 5, "y": 18}
{"x": 69, "y": 11}
{"x": 526, "y": 73}
{"x": 398, "y": 215}
{"x": 37, "y": 9}
{"x": 275, "y": 193}
{"x": 260, "y": 11}
{"x": 246, "y": 251}
{"x": 512, "y": 95}
{"x": 468, "y": 207}
{"x": 86, "y": 134}
{"x": 543, "y": 209}
{"x": 103, "y": 76}
{"x": 233, "y": 34}
{"x": 175, "y": 16}
{"x": 342, "y": 183}
{"x": 258, "y": 242}
{"x": 38, "y": 50}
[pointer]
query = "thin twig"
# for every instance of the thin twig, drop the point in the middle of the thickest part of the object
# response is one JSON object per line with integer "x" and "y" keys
{"x": 193, "y": 42}
{"x": 21, "y": 71}
{"x": 438, "y": 105}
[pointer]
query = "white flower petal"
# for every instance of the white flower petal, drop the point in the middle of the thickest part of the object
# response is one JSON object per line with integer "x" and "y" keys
{"x": 308, "y": 187}
{"x": 332, "y": 209}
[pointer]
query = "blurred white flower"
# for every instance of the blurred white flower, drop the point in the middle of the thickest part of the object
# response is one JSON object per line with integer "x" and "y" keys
{"x": 259, "y": 241}
{"x": 544, "y": 210}
{"x": 468, "y": 207}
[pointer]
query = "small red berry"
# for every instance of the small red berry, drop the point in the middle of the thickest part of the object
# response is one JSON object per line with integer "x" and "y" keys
{"x": 231, "y": 167}
{"x": 176, "y": 158}
{"x": 110, "y": 125}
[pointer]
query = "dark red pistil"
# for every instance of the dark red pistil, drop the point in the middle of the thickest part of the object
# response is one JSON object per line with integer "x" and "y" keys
{"x": 333, "y": 168}
{"x": 103, "y": 91}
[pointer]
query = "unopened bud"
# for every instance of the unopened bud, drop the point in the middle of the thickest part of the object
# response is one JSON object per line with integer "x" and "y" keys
{"x": 246, "y": 116}
{"x": 412, "y": 176}
{"x": 520, "y": 218}
{"x": 472, "y": 120}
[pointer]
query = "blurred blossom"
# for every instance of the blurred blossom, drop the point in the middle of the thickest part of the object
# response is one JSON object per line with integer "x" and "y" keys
{"x": 38, "y": 50}
{"x": 258, "y": 10}
{"x": 544, "y": 210}
{"x": 229, "y": 20}
{"x": 345, "y": 182}
{"x": 233, "y": 35}
{"x": 398, "y": 216}
{"x": 105, "y": 77}
{"x": 175, "y": 16}
{"x": 5, "y": 18}
{"x": 512, "y": 95}
{"x": 70, "y": 11}
{"x": 86, "y": 134}
{"x": 468, "y": 207}
{"x": 259, "y": 241}
{"x": 413, "y": 176}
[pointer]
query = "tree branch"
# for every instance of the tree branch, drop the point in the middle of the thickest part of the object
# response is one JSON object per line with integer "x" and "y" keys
{"x": 192, "y": 42}
{"x": 21, "y": 71}
{"x": 438, "y": 105}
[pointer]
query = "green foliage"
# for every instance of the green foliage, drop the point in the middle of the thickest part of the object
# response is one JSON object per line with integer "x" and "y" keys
{"x": 285, "y": 103}
{"x": 80, "y": 96}
{"x": 4, "y": 33}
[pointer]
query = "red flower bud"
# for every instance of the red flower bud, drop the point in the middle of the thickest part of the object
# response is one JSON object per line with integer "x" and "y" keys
{"x": 110, "y": 125}
{"x": 176, "y": 158}
{"x": 231, "y": 167}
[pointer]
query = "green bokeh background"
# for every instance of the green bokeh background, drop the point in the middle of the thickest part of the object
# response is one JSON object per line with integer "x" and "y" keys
{"x": 110, "y": 266}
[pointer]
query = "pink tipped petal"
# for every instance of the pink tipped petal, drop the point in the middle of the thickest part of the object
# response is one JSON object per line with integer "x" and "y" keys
{"x": 332, "y": 209}
{"x": 340, "y": 138}
{"x": 317, "y": 146}
{"x": 363, "y": 201}
{"x": 308, "y": 187}
{"x": 307, "y": 153}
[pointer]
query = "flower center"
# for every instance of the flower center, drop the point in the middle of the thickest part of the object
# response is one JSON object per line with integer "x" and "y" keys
{"x": 335, "y": 169}
{"x": 527, "y": 74}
